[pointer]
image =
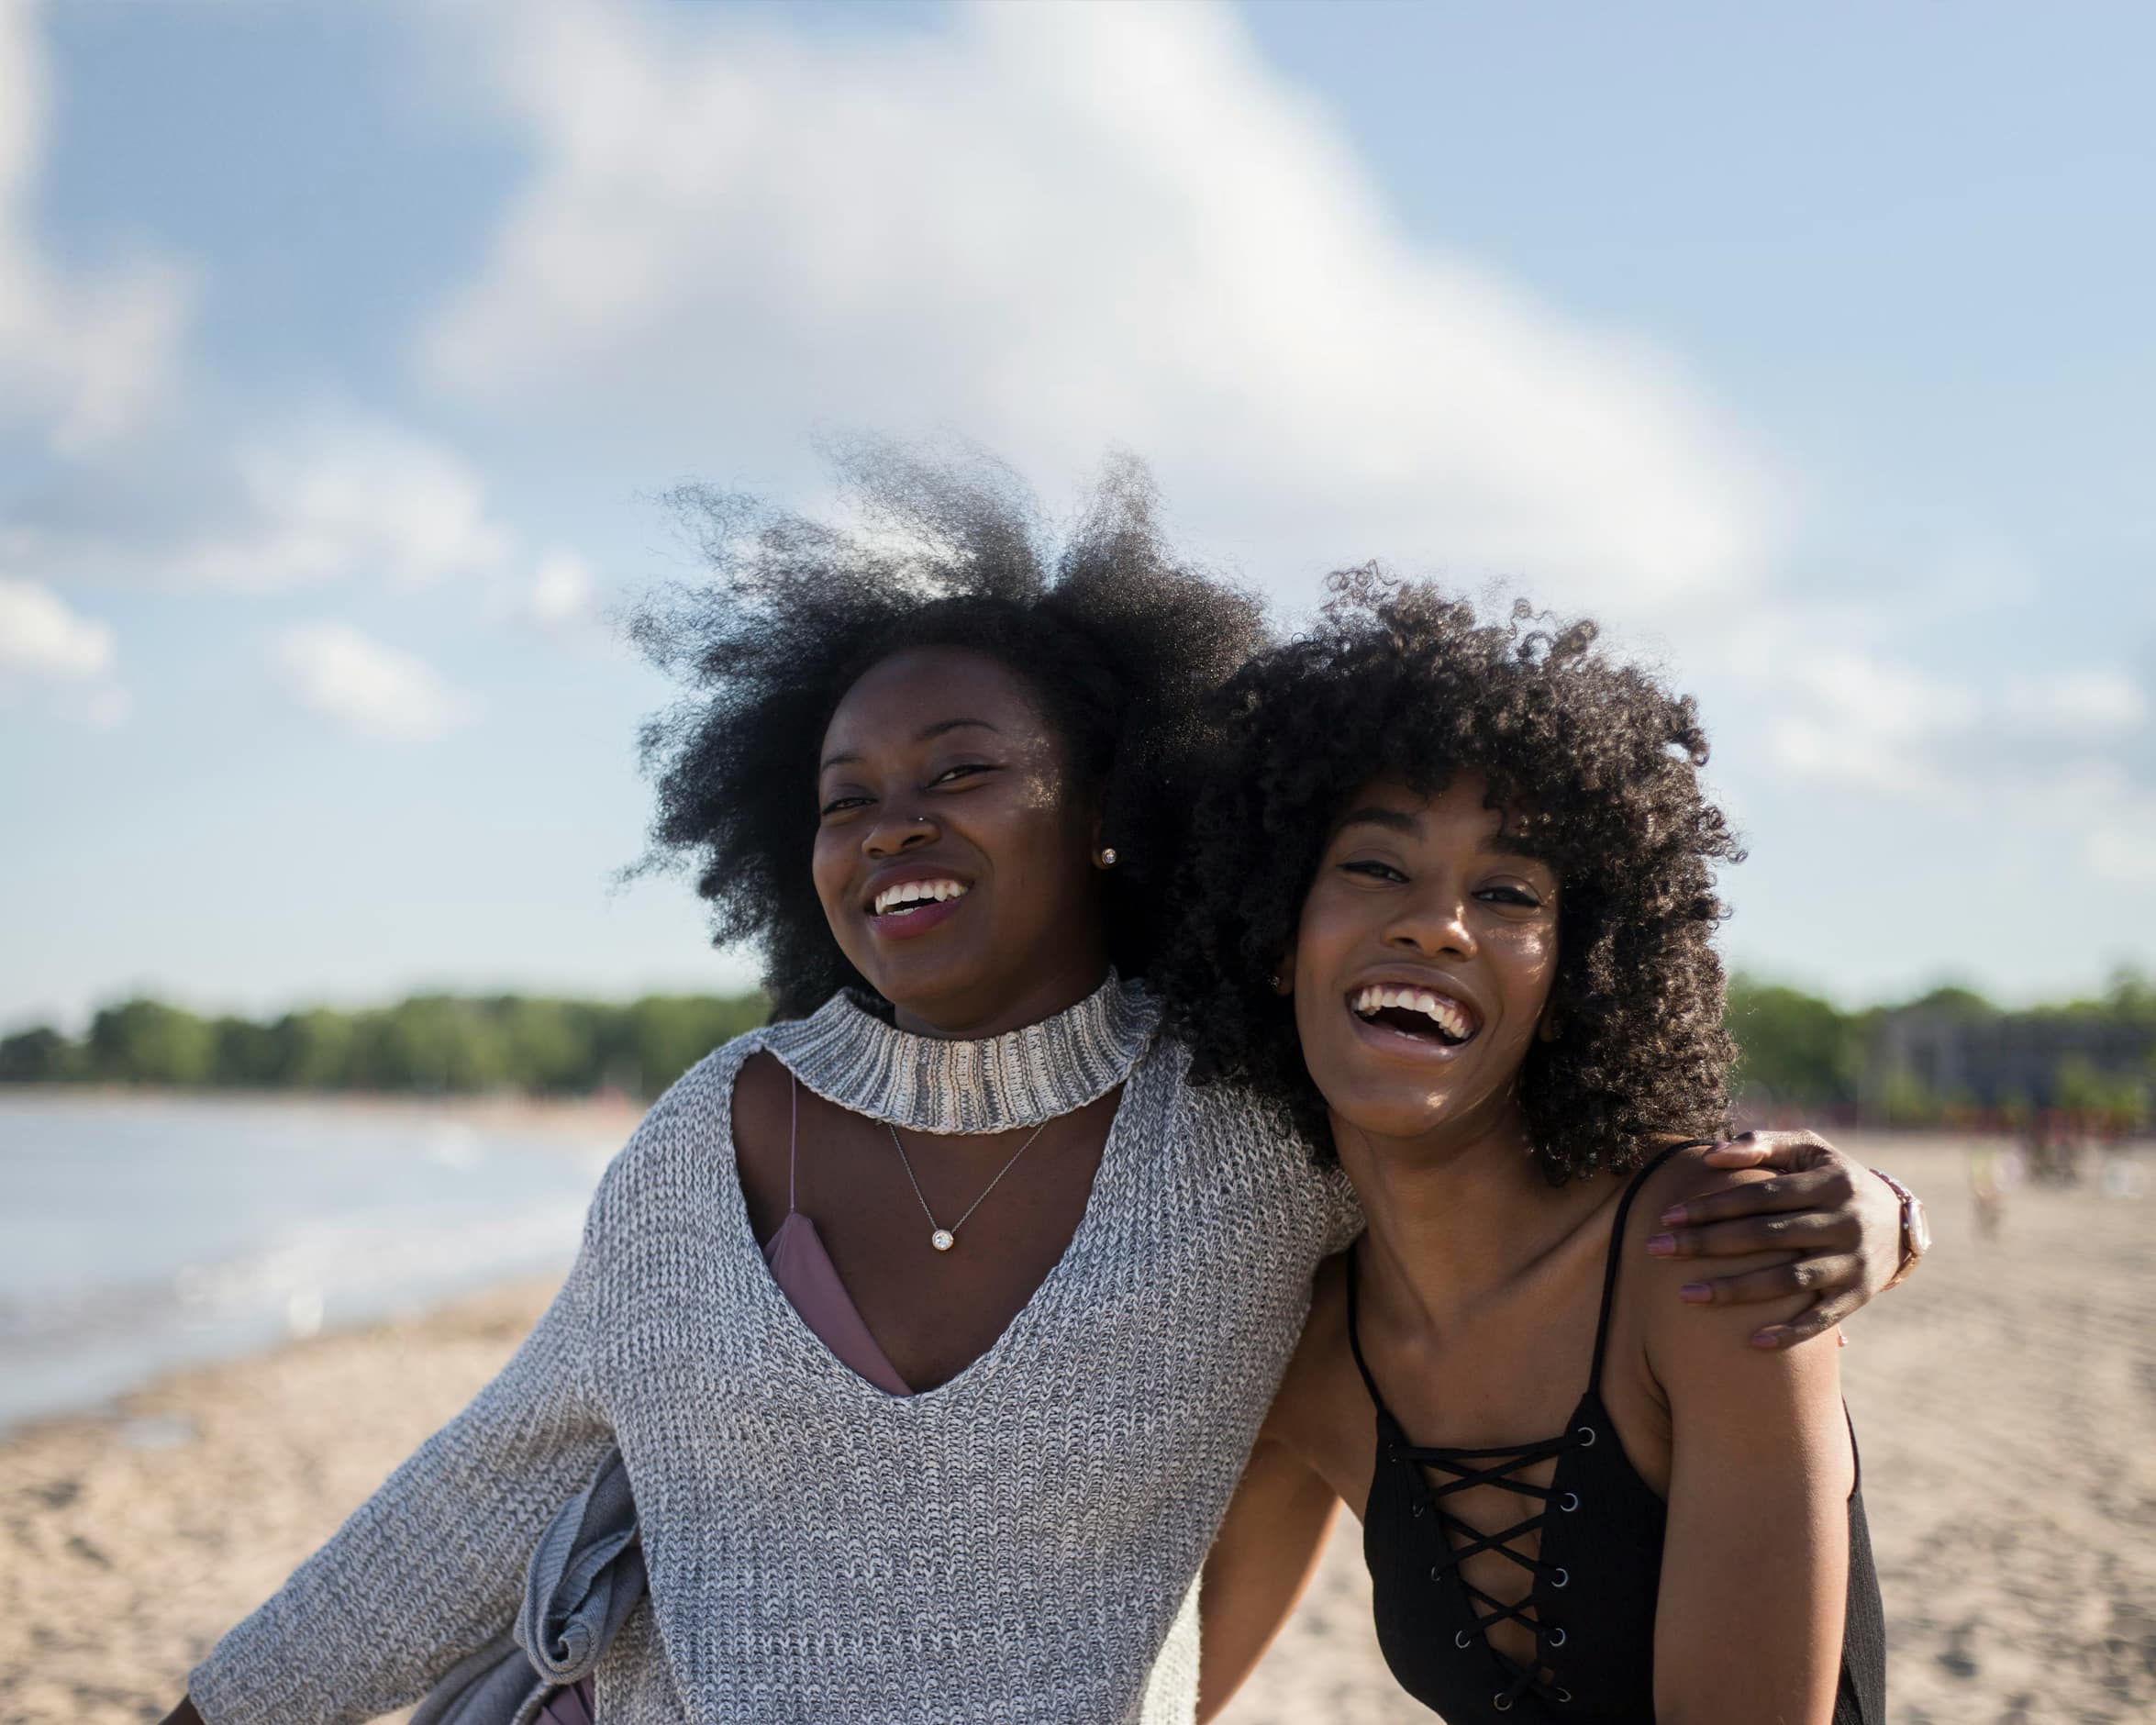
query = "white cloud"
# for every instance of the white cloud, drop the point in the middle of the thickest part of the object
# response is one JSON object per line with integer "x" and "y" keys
{"x": 1861, "y": 723}
{"x": 66, "y": 658}
{"x": 1898, "y": 700}
{"x": 2048, "y": 754}
{"x": 563, "y": 590}
{"x": 2086, "y": 703}
{"x": 83, "y": 354}
{"x": 2124, "y": 850}
{"x": 322, "y": 498}
{"x": 2113, "y": 816}
{"x": 351, "y": 499}
{"x": 364, "y": 686}
{"x": 41, "y": 636}
{"x": 1060, "y": 228}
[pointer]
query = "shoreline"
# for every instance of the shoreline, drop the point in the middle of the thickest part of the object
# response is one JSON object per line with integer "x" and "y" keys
{"x": 2003, "y": 1400}
{"x": 582, "y": 1117}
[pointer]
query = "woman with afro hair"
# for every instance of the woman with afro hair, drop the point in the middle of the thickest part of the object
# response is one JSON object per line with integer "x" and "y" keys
{"x": 930, "y": 1324}
{"x": 1449, "y": 910}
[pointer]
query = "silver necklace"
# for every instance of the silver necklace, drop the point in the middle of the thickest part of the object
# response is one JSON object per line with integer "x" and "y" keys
{"x": 944, "y": 1238}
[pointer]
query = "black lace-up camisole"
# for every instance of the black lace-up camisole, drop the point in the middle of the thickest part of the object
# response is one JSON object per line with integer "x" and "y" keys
{"x": 1596, "y": 1572}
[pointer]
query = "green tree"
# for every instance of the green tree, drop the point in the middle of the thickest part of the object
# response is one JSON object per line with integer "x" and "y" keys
{"x": 38, "y": 1056}
{"x": 312, "y": 1050}
{"x": 1796, "y": 1046}
{"x": 550, "y": 1045}
{"x": 664, "y": 1035}
{"x": 430, "y": 1043}
{"x": 246, "y": 1053}
{"x": 1952, "y": 998}
{"x": 147, "y": 1041}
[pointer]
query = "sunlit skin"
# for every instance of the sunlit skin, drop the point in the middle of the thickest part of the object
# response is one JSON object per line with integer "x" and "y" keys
{"x": 938, "y": 764}
{"x": 1425, "y": 896}
{"x": 1480, "y": 1284}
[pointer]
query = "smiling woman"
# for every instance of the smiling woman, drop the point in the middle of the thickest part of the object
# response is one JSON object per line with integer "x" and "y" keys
{"x": 1107, "y": 646}
{"x": 1489, "y": 909}
{"x": 1596, "y": 765}
{"x": 948, "y": 802}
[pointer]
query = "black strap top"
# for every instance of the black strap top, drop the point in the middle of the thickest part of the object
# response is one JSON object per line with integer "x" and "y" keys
{"x": 1596, "y": 1569}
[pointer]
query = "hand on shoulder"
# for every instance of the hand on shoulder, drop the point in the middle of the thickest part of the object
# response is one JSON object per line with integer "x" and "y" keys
{"x": 1685, "y": 1309}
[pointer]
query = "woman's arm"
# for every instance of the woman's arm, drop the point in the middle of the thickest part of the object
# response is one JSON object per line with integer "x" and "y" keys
{"x": 1755, "y": 1564}
{"x": 433, "y": 1565}
{"x": 1835, "y": 1227}
{"x": 1261, "y": 1560}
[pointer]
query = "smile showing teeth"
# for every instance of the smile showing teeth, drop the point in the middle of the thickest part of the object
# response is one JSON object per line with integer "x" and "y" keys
{"x": 907, "y": 892}
{"x": 1451, "y": 1019}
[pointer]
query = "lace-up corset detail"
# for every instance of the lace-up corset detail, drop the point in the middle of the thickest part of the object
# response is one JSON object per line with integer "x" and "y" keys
{"x": 1590, "y": 1543}
{"x": 1524, "y": 1543}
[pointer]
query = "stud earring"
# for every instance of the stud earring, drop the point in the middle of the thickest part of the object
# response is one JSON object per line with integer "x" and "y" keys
{"x": 1106, "y": 858}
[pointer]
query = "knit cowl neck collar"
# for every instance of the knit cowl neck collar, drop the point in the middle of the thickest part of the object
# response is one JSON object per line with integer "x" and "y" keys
{"x": 846, "y": 1054}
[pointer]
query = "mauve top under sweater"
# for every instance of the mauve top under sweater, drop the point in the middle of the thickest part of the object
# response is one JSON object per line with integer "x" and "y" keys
{"x": 1019, "y": 1544}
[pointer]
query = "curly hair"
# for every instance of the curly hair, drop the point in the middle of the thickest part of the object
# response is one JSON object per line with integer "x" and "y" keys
{"x": 1119, "y": 642}
{"x": 1596, "y": 765}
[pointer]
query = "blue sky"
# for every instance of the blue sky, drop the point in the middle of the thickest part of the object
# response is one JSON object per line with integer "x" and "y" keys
{"x": 342, "y": 351}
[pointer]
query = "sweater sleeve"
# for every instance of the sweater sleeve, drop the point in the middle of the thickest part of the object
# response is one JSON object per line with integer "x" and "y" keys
{"x": 433, "y": 1565}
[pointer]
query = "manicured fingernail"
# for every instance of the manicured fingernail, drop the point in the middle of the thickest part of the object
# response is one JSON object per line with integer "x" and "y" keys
{"x": 1766, "y": 1339}
{"x": 1673, "y": 1216}
{"x": 1695, "y": 1293}
{"x": 1662, "y": 1245}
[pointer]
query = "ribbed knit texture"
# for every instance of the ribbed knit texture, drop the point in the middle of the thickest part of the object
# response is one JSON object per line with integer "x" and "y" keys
{"x": 1018, "y": 1546}
{"x": 851, "y": 1057}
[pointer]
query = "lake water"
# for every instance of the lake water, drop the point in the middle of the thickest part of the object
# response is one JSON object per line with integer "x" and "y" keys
{"x": 138, "y": 1235}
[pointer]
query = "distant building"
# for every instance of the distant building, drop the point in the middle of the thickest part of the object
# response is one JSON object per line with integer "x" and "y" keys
{"x": 1953, "y": 1056}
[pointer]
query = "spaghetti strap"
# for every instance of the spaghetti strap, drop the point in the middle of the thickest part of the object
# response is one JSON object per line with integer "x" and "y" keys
{"x": 1354, "y": 1337}
{"x": 1616, "y": 1251}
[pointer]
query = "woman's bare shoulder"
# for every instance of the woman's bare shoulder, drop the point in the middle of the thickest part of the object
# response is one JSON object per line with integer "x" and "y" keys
{"x": 1672, "y": 1326}
{"x": 1305, "y": 1408}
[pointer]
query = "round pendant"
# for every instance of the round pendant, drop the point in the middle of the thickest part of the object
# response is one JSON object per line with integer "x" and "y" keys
{"x": 942, "y": 1239}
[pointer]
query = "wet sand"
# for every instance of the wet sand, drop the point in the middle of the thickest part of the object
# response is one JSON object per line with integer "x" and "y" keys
{"x": 2006, "y": 1400}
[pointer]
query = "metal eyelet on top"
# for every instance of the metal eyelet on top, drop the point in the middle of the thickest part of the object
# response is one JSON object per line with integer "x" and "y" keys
{"x": 1571, "y": 1503}
{"x": 1556, "y": 1637}
{"x": 1437, "y": 1572}
{"x": 1586, "y": 1437}
{"x": 1461, "y": 1639}
{"x": 1563, "y": 1578}
{"x": 1502, "y": 1702}
{"x": 1415, "y": 1509}
{"x": 1564, "y": 1695}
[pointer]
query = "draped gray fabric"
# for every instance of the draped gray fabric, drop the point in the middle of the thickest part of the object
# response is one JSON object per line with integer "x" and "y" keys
{"x": 585, "y": 1576}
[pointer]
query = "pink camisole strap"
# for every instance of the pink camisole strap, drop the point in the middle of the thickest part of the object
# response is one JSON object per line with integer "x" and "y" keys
{"x": 808, "y": 1279}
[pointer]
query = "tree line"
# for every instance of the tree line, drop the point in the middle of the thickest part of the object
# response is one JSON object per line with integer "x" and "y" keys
{"x": 1798, "y": 1051}
{"x": 1969, "y": 1059}
{"x": 430, "y": 1043}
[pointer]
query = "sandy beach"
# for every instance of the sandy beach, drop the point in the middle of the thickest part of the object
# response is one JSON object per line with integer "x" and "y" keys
{"x": 2006, "y": 1402}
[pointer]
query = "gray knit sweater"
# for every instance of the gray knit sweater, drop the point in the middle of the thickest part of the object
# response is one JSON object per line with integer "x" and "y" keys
{"x": 1019, "y": 1544}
